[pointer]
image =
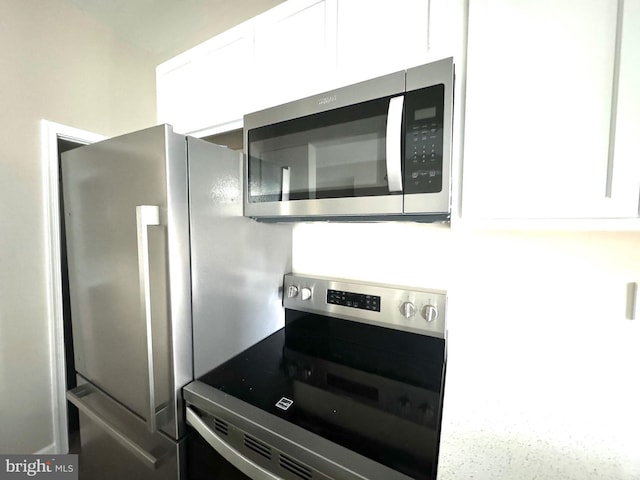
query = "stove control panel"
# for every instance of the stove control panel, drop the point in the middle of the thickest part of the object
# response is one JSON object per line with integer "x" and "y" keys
{"x": 353, "y": 300}
{"x": 403, "y": 308}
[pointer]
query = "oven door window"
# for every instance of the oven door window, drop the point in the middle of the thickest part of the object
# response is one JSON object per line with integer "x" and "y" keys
{"x": 334, "y": 154}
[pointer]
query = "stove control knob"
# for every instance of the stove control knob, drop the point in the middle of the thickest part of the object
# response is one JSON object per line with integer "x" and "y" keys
{"x": 292, "y": 291}
{"x": 430, "y": 313}
{"x": 407, "y": 309}
{"x": 305, "y": 293}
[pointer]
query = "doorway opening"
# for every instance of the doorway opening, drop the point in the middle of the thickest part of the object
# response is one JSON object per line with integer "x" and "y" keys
{"x": 73, "y": 420}
{"x": 57, "y": 139}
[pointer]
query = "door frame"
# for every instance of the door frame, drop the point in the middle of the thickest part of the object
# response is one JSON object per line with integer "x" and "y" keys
{"x": 50, "y": 133}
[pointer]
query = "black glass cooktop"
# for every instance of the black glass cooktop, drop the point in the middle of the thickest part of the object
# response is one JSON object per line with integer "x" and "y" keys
{"x": 373, "y": 390}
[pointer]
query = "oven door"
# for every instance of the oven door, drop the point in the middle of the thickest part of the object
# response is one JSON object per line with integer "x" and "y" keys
{"x": 332, "y": 155}
{"x": 236, "y": 441}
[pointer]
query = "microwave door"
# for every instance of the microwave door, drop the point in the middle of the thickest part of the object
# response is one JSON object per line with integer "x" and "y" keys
{"x": 344, "y": 162}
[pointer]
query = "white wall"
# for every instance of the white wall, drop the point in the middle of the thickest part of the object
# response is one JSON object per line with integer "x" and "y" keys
{"x": 543, "y": 377}
{"x": 55, "y": 63}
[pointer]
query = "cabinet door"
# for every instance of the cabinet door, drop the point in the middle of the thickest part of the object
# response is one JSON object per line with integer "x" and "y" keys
{"x": 376, "y": 38}
{"x": 220, "y": 69}
{"x": 294, "y": 52}
{"x": 625, "y": 168}
{"x": 175, "y": 94}
{"x": 205, "y": 87}
{"x": 541, "y": 111}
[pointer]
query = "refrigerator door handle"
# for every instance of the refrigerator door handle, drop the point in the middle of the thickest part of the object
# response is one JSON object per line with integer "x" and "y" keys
{"x": 230, "y": 454}
{"x": 75, "y": 397}
{"x": 146, "y": 216}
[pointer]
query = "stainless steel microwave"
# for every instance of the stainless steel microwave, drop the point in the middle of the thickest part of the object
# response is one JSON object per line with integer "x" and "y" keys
{"x": 380, "y": 148}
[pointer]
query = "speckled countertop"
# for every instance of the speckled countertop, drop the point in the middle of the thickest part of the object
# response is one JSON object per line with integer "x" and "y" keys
{"x": 524, "y": 402}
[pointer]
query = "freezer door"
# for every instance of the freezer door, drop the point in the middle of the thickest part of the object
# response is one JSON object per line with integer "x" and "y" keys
{"x": 126, "y": 221}
{"x": 238, "y": 264}
{"x": 116, "y": 444}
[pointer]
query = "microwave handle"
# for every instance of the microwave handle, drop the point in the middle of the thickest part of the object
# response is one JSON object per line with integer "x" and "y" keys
{"x": 394, "y": 144}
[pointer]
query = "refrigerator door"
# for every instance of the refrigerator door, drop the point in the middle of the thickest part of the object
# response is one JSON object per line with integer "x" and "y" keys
{"x": 116, "y": 444}
{"x": 238, "y": 264}
{"x": 126, "y": 221}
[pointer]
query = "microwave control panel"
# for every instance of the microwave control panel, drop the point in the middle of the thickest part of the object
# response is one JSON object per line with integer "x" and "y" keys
{"x": 423, "y": 144}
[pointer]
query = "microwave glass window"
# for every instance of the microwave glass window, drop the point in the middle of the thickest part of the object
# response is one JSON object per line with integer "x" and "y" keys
{"x": 341, "y": 153}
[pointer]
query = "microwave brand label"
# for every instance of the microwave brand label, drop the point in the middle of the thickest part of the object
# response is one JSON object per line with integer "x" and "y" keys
{"x": 328, "y": 99}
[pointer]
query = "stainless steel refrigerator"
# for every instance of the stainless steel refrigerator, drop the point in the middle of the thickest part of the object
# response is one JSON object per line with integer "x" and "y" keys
{"x": 167, "y": 280}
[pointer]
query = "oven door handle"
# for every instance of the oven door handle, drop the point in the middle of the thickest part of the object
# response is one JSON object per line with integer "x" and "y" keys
{"x": 230, "y": 454}
{"x": 394, "y": 144}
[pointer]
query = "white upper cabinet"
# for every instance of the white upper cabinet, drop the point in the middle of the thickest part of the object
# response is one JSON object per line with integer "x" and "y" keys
{"x": 375, "y": 38}
{"x": 300, "y": 48}
{"x": 552, "y": 125}
{"x": 206, "y": 86}
{"x": 174, "y": 94}
{"x": 294, "y": 52}
{"x": 625, "y": 177}
{"x": 221, "y": 78}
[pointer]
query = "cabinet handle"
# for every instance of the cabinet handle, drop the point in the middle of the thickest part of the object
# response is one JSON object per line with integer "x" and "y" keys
{"x": 146, "y": 216}
{"x": 394, "y": 144}
{"x": 614, "y": 99}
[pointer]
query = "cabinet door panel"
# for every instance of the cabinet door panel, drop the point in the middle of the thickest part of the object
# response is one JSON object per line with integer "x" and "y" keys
{"x": 625, "y": 173}
{"x": 540, "y": 97}
{"x": 175, "y": 93}
{"x": 374, "y": 38}
{"x": 293, "y": 54}
{"x": 206, "y": 86}
{"x": 221, "y": 80}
